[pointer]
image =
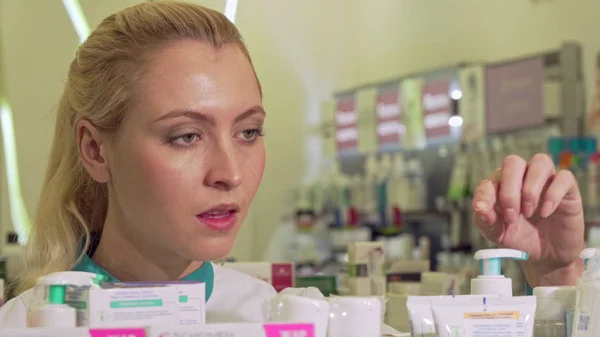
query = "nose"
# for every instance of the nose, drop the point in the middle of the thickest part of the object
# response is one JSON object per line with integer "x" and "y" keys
{"x": 224, "y": 171}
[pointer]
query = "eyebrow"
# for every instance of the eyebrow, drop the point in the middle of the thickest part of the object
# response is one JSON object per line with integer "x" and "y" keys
{"x": 200, "y": 116}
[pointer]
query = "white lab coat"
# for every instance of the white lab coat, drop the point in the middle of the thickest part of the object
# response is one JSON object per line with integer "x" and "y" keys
{"x": 236, "y": 297}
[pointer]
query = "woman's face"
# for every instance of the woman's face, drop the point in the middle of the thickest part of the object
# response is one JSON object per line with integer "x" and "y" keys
{"x": 189, "y": 156}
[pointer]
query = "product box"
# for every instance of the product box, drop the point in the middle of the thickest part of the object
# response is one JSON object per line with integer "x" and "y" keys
{"x": 369, "y": 252}
{"x": 236, "y": 330}
{"x": 279, "y": 274}
{"x": 139, "y": 304}
{"x": 191, "y": 309}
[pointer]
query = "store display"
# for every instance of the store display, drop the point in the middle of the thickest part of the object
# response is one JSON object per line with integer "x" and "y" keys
{"x": 490, "y": 316}
{"x": 491, "y": 280}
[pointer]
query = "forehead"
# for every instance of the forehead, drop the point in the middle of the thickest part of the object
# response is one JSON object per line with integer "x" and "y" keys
{"x": 194, "y": 75}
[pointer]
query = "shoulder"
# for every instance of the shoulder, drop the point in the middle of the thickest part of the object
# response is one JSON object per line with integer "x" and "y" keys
{"x": 13, "y": 314}
{"x": 237, "y": 297}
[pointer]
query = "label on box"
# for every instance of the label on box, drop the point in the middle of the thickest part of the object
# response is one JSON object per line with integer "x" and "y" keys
{"x": 289, "y": 330}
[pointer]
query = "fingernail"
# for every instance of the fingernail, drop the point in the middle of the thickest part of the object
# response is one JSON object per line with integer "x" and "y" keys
{"x": 510, "y": 215}
{"x": 547, "y": 208}
{"x": 528, "y": 209}
{"x": 481, "y": 206}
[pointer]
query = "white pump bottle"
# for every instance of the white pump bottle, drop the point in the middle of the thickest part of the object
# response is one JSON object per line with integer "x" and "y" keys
{"x": 491, "y": 281}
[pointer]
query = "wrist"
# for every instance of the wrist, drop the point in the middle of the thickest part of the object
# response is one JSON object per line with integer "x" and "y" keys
{"x": 545, "y": 276}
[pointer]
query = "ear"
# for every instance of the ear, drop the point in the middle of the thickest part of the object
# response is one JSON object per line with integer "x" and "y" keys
{"x": 92, "y": 151}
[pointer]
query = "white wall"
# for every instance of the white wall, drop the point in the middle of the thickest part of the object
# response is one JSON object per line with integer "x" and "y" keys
{"x": 302, "y": 51}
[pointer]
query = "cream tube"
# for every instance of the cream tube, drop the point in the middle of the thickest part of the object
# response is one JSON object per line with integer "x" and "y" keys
{"x": 487, "y": 317}
{"x": 421, "y": 316}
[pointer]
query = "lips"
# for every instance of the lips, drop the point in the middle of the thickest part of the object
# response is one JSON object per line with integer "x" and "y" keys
{"x": 221, "y": 218}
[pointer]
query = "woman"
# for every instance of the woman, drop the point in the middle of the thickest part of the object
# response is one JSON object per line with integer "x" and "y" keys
{"x": 158, "y": 153}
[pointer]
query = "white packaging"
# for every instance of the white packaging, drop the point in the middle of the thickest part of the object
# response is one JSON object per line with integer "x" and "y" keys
{"x": 421, "y": 315}
{"x": 355, "y": 316}
{"x": 191, "y": 299}
{"x": 139, "y": 304}
{"x": 235, "y": 330}
{"x": 487, "y": 317}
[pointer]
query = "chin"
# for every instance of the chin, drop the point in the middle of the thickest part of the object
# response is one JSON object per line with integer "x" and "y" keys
{"x": 210, "y": 250}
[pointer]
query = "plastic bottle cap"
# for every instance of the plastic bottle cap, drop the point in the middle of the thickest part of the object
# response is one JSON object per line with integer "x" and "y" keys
{"x": 588, "y": 253}
{"x": 490, "y": 260}
{"x": 56, "y": 294}
{"x": 554, "y": 302}
{"x": 71, "y": 278}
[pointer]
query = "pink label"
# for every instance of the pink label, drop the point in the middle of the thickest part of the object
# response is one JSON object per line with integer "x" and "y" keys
{"x": 118, "y": 332}
{"x": 515, "y": 95}
{"x": 289, "y": 330}
{"x": 437, "y": 108}
{"x": 389, "y": 109}
{"x": 346, "y": 124}
{"x": 282, "y": 276}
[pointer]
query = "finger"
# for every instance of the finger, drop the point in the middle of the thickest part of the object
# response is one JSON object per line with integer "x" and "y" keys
{"x": 562, "y": 185}
{"x": 511, "y": 183}
{"x": 540, "y": 169}
{"x": 485, "y": 216}
{"x": 484, "y": 200}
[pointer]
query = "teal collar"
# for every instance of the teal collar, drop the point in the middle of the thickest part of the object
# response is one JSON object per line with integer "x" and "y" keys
{"x": 204, "y": 274}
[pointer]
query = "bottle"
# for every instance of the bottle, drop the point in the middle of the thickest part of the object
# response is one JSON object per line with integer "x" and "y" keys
{"x": 553, "y": 303}
{"x": 52, "y": 311}
{"x": 491, "y": 281}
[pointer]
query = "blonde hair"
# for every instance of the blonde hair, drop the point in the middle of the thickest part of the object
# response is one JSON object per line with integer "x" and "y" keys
{"x": 100, "y": 88}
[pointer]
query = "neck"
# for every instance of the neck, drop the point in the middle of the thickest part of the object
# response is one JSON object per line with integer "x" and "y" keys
{"x": 133, "y": 257}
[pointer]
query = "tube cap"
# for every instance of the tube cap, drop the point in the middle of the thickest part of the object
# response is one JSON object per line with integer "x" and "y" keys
{"x": 56, "y": 294}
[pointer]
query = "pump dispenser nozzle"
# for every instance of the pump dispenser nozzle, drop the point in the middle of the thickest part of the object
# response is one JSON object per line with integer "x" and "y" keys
{"x": 491, "y": 281}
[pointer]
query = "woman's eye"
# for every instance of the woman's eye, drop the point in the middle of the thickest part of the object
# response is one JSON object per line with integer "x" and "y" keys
{"x": 250, "y": 135}
{"x": 185, "y": 140}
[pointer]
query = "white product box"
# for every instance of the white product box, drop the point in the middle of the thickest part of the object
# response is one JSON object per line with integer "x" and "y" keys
{"x": 191, "y": 309}
{"x": 139, "y": 304}
{"x": 280, "y": 275}
{"x": 369, "y": 252}
{"x": 236, "y": 330}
